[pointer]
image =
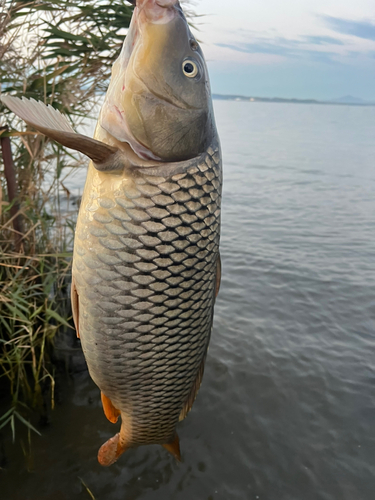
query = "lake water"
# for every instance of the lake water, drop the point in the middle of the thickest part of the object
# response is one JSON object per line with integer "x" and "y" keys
{"x": 287, "y": 406}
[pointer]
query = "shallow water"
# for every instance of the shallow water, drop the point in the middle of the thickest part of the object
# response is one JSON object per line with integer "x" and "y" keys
{"x": 287, "y": 406}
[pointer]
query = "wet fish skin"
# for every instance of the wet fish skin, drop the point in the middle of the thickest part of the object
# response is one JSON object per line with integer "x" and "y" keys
{"x": 146, "y": 260}
{"x": 145, "y": 264}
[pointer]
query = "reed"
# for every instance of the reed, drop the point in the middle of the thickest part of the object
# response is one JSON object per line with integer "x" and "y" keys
{"x": 59, "y": 52}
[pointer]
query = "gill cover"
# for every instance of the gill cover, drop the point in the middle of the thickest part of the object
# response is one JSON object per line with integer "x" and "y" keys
{"x": 159, "y": 95}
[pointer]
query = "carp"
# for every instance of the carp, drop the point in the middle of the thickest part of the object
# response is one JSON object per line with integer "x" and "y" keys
{"x": 146, "y": 264}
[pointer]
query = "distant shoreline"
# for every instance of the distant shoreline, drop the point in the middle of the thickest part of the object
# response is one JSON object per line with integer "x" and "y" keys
{"x": 241, "y": 98}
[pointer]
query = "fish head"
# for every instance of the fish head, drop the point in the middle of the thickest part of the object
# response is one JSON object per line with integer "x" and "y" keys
{"x": 159, "y": 98}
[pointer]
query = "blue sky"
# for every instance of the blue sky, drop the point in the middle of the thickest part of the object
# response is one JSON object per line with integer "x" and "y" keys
{"x": 318, "y": 49}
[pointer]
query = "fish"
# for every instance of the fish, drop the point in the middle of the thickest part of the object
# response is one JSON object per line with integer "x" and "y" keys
{"x": 146, "y": 263}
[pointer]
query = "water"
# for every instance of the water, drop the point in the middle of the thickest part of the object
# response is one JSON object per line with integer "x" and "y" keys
{"x": 287, "y": 406}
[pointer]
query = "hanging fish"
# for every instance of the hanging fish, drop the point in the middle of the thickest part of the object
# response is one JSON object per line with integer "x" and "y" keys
{"x": 146, "y": 265}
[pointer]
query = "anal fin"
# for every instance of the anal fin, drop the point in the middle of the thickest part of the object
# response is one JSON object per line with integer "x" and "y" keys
{"x": 110, "y": 411}
{"x": 173, "y": 447}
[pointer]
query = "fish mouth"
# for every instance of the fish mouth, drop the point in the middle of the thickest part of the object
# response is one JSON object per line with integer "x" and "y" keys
{"x": 158, "y": 11}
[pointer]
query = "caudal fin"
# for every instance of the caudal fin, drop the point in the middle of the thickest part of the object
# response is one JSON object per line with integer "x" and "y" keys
{"x": 112, "y": 449}
{"x": 109, "y": 452}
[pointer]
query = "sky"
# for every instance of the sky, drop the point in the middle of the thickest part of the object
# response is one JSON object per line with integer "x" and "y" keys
{"x": 320, "y": 49}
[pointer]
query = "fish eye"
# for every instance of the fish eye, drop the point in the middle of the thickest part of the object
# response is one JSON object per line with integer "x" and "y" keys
{"x": 190, "y": 68}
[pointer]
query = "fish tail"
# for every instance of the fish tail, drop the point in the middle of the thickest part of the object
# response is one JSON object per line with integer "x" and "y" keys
{"x": 112, "y": 449}
{"x": 174, "y": 447}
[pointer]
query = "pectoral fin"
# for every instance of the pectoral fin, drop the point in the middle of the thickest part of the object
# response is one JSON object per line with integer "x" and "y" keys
{"x": 53, "y": 124}
{"x": 194, "y": 391}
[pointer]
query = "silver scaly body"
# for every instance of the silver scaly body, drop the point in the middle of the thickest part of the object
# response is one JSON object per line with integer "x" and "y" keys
{"x": 145, "y": 264}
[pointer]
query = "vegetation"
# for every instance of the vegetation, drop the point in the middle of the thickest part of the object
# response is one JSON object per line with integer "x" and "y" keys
{"x": 59, "y": 52}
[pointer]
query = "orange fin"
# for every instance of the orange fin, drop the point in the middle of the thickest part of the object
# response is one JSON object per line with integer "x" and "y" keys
{"x": 112, "y": 449}
{"x": 194, "y": 391}
{"x": 75, "y": 305}
{"x": 110, "y": 411}
{"x": 174, "y": 448}
{"x": 108, "y": 452}
{"x": 218, "y": 275}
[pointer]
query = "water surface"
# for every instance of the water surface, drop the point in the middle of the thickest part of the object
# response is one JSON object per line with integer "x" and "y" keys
{"x": 287, "y": 406}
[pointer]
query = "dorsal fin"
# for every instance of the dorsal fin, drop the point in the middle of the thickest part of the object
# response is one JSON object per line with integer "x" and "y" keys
{"x": 194, "y": 391}
{"x": 218, "y": 275}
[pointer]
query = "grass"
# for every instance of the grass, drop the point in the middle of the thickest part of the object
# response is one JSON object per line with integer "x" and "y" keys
{"x": 60, "y": 52}
{"x": 33, "y": 298}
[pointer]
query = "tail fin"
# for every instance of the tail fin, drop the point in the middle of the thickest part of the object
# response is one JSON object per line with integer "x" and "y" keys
{"x": 109, "y": 452}
{"x": 112, "y": 449}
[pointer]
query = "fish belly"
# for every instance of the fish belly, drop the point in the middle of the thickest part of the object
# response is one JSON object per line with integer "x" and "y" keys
{"x": 144, "y": 268}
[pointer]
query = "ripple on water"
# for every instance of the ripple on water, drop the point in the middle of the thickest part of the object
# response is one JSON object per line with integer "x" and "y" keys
{"x": 286, "y": 409}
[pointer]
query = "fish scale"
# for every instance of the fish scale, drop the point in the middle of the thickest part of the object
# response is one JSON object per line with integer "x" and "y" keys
{"x": 145, "y": 268}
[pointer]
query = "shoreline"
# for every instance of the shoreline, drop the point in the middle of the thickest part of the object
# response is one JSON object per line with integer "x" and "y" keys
{"x": 280, "y": 100}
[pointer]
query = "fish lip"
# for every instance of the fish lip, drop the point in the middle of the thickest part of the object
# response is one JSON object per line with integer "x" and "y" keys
{"x": 168, "y": 3}
{"x": 158, "y": 11}
{"x": 160, "y": 3}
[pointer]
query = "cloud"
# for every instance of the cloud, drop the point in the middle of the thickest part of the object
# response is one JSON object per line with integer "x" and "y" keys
{"x": 360, "y": 29}
{"x": 257, "y": 48}
{"x": 322, "y": 40}
{"x": 287, "y": 48}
